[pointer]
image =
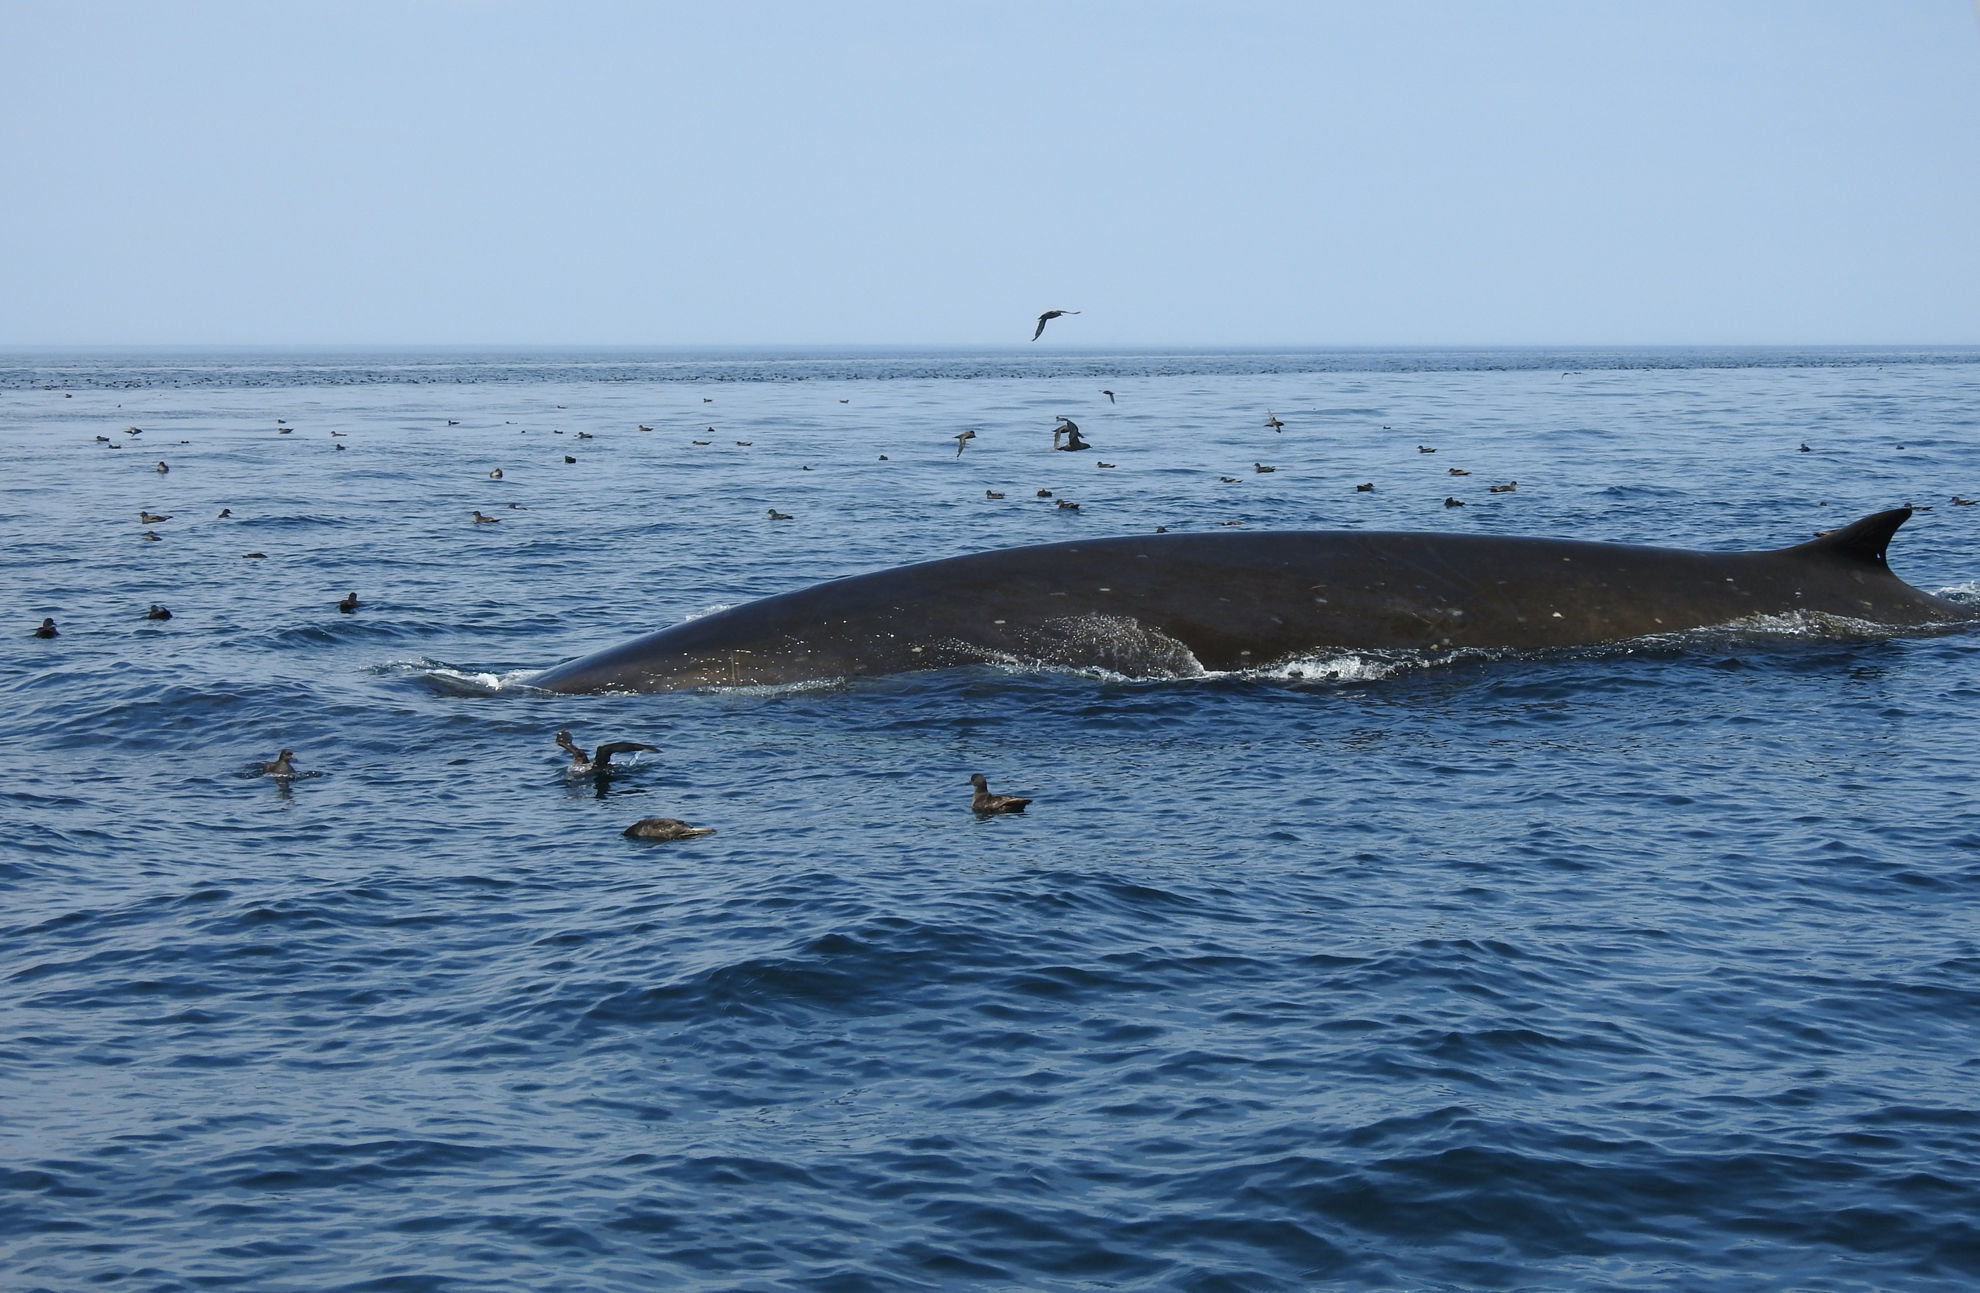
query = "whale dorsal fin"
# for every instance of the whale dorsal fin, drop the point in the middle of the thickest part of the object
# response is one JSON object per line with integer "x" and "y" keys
{"x": 1862, "y": 542}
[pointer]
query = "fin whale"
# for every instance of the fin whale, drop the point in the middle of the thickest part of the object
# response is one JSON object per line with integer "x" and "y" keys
{"x": 1182, "y": 603}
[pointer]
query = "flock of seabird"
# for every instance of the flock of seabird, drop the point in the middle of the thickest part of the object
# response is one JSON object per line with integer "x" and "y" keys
{"x": 597, "y": 763}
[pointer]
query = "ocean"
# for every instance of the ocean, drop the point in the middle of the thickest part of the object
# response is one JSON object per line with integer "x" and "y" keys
{"x": 1650, "y": 965}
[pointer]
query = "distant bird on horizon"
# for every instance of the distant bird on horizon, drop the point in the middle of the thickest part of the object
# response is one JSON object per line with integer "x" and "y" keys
{"x": 985, "y": 804}
{"x": 1047, "y": 317}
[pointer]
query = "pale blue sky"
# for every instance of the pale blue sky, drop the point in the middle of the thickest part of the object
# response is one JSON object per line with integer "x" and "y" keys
{"x": 455, "y": 172}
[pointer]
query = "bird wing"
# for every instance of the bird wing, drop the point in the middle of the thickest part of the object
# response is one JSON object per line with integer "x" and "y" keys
{"x": 1041, "y": 326}
{"x": 610, "y": 748}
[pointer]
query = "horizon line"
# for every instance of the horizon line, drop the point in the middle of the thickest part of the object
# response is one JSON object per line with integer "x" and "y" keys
{"x": 1019, "y": 347}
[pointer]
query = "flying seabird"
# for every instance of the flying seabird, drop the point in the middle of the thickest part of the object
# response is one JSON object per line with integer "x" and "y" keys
{"x": 1108, "y": 394}
{"x": 962, "y": 439}
{"x": 1070, "y": 430}
{"x": 1046, "y": 317}
{"x": 1272, "y": 420}
{"x": 600, "y": 760}
{"x": 985, "y": 803}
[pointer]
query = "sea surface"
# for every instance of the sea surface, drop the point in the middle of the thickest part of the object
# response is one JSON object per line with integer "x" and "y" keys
{"x": 1649, "y": 966}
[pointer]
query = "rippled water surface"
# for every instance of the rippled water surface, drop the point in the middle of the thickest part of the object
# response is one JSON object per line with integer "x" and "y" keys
{"x": 1649, "y": 966}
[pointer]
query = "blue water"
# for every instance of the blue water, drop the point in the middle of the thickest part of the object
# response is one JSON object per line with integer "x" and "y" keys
{"x": 1650, "y": 966}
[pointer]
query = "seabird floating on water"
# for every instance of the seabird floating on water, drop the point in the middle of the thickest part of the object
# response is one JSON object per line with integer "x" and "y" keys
{"x": 47, "y": 629}
{"x": 665, "y": 828}
{"x": 349, "y": 604}
{"x": 600, "y": 759}
{"x": 985, "y": 803}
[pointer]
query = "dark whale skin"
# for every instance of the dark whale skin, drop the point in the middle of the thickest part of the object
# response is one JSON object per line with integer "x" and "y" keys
{"x": 1169, "y": 603}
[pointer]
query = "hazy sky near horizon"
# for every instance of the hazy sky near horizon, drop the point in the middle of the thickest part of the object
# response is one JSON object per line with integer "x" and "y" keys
{"x": 1406, "y": 173}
